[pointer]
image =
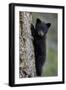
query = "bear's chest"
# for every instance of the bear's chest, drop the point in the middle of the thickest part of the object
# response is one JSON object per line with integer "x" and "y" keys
{"x": 40, "y": 45}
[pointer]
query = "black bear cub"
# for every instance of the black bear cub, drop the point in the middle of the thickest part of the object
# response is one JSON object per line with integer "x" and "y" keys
{"x": 39, "y": 35}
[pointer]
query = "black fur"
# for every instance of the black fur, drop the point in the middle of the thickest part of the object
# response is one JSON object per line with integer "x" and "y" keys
{"x": 39, "y": 35}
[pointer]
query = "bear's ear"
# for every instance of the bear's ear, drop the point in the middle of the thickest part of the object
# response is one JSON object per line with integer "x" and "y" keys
{"x": 48, "y": 24}
{"x": 38, "y": 21}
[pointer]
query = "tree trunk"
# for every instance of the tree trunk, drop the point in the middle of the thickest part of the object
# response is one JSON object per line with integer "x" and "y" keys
{"x": 26, "y": 50}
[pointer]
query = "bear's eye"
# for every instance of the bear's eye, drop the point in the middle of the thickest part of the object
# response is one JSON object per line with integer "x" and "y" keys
{"x": 40, "y": 28}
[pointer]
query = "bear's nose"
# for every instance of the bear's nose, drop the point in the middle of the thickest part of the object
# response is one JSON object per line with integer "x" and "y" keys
{"x": 40, "y": 33}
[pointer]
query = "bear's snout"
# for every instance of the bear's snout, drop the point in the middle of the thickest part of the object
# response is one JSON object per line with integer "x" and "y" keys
{"x": 40, "y": 33}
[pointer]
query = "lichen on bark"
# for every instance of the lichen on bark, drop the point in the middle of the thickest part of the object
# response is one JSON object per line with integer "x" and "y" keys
{"x": 26, "y": 49}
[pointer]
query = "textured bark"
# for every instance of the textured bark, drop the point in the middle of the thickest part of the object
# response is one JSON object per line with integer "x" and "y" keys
{"x": 26, "y": 50}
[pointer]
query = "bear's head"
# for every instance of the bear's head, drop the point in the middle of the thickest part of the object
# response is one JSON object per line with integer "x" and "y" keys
{"x": 42, "y": 27}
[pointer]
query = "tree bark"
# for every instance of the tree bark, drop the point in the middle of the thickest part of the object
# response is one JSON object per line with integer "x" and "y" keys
{"x": 26, "y": 49}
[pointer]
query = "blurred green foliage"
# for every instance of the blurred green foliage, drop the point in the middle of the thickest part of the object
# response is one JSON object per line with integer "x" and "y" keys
{"x": 51, "y": 66}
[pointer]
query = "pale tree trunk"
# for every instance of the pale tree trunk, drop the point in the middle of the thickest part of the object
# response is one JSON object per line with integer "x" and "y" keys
{"x": 26, "y": 49}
